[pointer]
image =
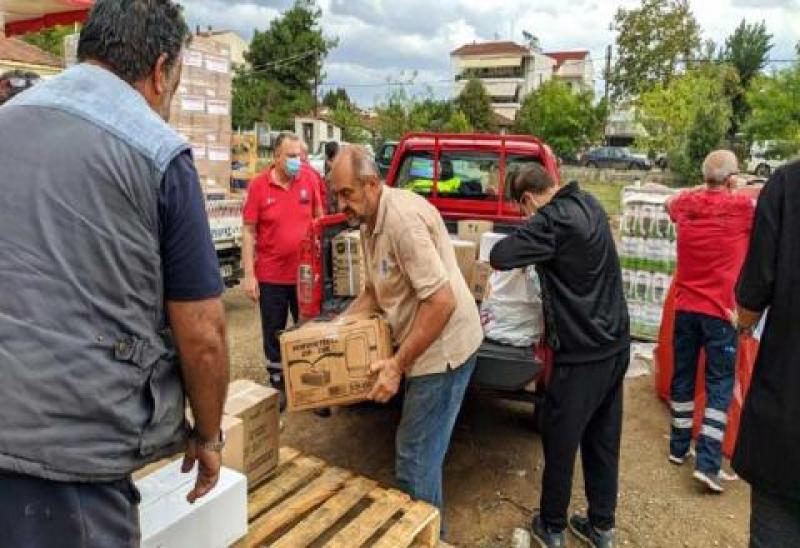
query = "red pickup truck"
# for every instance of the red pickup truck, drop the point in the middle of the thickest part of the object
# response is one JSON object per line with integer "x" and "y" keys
{"x": 465, "y": 177}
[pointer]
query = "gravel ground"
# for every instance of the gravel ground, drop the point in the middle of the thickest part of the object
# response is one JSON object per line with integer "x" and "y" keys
{"x": 494, "y": 464}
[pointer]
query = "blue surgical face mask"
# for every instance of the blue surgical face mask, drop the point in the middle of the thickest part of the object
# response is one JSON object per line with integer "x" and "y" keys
{"x": 293, "y": 166}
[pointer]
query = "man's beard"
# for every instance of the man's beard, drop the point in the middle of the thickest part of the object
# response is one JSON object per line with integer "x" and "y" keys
{"x": 353, "y": 220}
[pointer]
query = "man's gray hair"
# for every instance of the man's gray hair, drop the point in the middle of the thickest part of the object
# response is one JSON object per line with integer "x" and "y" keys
{"x": 364, "y": 166}
{"x": 283, "y": 137}
{"x": 718, "y": 166}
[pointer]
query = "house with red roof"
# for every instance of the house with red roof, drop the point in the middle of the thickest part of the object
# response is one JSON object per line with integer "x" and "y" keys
{"x": 511, "y": 71}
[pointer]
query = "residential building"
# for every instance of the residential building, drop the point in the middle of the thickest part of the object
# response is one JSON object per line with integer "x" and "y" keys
{"x": 316, "y": 130}
{"x": 16, "y": 54}
{"x": 575, "y": 68}
{"x": 511, "y": 71}
{"x": 623, "y": 128}
{"x": 237, "y": 45}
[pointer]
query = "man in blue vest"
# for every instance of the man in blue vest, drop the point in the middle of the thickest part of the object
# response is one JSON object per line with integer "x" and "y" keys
{"x": 108, "y": 274}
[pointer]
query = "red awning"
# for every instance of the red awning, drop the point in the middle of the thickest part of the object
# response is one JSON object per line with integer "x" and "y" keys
{"x": 22, "y": 16}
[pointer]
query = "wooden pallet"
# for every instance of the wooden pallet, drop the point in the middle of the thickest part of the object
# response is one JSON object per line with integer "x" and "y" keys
{"x": 308, "y": 503}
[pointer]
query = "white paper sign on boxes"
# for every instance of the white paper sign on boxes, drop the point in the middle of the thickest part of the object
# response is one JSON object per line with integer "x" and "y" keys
{"x": 167, "y": 520}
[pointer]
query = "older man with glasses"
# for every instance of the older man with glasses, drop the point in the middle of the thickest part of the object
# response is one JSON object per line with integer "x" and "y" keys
{"x": 714, "y": 224}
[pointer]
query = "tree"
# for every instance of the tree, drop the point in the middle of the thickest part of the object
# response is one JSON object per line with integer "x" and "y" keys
{"x": 747, "y": 49}
{"x": 458, "y": 123}
{"x": 333, "y": 98}
{"x": 689, "y": 117}
{"x": 403, "y": 112}
{"x": 775, "y": 110}
{"x": 51, "y": 39}
{"x": 565, "y": 120}
{"x": 285, "y": 61}
{"x": 346, "y": 117}
{"x": 653, "y": 41}
{"x": 476, "y": 105}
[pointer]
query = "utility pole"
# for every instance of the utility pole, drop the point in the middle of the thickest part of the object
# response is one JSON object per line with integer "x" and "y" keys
{"x": 316, "y": 84}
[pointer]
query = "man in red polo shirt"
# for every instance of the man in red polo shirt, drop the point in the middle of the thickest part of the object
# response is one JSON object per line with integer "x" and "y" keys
{"x": 280, "y": 205}
{"x": 714, "y": 226}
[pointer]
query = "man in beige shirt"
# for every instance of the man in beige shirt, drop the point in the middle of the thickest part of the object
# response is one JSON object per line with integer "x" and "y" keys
{"x": 413, "y": 279}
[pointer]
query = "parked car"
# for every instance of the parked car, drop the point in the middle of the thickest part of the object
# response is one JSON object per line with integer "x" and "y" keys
{"x": 764, "y": 158}
{"x": 616, "y": 158}
{"x": 384, "y": 156}
{"x": 464, "y": 176}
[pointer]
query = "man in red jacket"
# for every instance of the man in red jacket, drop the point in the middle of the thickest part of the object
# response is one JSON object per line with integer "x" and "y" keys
{"x": 713, "y": 226}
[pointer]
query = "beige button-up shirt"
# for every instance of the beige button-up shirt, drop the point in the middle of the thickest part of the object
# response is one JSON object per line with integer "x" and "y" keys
{"x": 409, "y": 256}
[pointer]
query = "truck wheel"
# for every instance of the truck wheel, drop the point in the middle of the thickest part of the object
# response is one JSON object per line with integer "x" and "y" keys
{"x": 763, "y": 170}
{"x": 536, "y": 418}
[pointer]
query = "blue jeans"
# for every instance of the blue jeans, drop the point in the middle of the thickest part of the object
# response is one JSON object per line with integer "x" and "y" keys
{"x": 718, "y": 337}
{"x": 774, "y": 521}
{"x": 430, "y": 408}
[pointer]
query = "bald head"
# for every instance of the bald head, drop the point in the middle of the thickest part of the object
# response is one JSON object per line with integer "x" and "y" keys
{"x": 357, "y": 184}
{"x": 719, "y": 166}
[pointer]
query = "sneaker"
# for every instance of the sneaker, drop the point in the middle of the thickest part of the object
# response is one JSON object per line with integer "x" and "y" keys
{"x": 711, "y": 481}
{"x": 545, "y": 536}
{"x": 582, "y": 528}
{"x": 677, "y": 461}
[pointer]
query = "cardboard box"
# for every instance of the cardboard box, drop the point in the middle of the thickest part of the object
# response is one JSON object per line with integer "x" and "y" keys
{"x": 327, "y": 363}
{"x": 480, "y": 280}
{"x": 257, "y": 407}
{"x": 465, "y": 255}
{"x": 347, "y": 258}
{"x": 471, "y": 231}
{"x": 167, "y": 519}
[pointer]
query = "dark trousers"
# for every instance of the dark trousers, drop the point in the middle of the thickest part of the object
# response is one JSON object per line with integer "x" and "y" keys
{"x": 774, "y": 521}
{"x": 276, "y": 302}
{"x": 37, "y": 513}
{"x": 583, "y": 408}
{"x": 694, "y": 331}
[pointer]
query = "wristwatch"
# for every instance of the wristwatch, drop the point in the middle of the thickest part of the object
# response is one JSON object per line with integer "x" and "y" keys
{"x": 216, "y": 446}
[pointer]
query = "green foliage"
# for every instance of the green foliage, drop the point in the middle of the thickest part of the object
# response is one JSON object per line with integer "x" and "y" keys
{"x": 458, "y": 123}
{"x": 689, "y": 117}
{"x": 334, "y": 98}
{"x": 346, "y": 117}
{"x": 284, "y": 61}
{"x": 653, "y": 40}
{"x": 404, "y": 112}
{"x": 775, "y": 110}
{"x": 565, "y": 120}
{"x": 747, "y": 49}
{"x": 476, "y": 105}
{"x": 51, "y": 39}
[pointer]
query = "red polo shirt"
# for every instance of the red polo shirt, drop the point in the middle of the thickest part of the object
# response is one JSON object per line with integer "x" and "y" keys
{"x": 713, "y": 236}
{"x": 282, "y": 217}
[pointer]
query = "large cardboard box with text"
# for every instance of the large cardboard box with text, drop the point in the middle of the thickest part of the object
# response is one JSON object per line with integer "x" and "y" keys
{"x": 328, "y": 363}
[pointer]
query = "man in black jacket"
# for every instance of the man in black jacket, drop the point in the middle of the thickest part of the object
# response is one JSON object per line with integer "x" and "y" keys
{"x": 767, "y": 453}
{"x": 569, "y": 240}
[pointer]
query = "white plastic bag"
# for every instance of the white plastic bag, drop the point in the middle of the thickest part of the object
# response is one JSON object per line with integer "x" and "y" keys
{"x": 512, "y": 313}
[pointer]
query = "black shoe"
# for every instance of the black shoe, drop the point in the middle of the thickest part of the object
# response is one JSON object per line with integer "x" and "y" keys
{"x": 582, "y": 528}
{"x": 276, "y": 381}
{"x": 545, "y": 536}
{"x": 323, "y": 412}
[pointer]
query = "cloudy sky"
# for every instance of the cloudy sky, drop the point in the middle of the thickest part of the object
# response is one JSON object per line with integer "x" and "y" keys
{"x": 382, "y": 40}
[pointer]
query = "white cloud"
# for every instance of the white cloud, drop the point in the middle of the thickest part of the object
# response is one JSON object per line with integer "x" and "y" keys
{"x": 379, "y": 39}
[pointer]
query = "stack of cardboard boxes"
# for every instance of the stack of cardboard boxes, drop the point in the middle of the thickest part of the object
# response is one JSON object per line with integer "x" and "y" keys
{"x": 201, "y": 112}
{"x": 348, "y": 264}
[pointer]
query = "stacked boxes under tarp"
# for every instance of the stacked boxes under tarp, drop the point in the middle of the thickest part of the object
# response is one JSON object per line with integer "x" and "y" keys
{"x": 648, "y": 256}
{"x": 201, "y": 112}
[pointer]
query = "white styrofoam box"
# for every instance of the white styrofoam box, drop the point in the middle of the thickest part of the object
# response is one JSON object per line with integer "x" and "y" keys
{"x": 488, "y": 239}
{"x": 167, "y": 520}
